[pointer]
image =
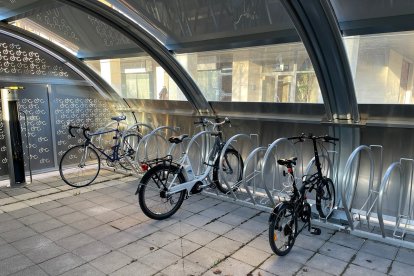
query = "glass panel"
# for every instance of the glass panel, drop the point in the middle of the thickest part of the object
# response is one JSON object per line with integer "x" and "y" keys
{"x": 350, "y": 10}
{"x": 137, "y": 78}
{"x": 202, "y": 18}
{"x": 277, "y": 73}
{"x": 382, "y": 67}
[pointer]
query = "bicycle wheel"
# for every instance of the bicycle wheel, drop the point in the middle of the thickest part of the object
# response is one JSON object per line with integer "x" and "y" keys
{"x": 283, "y": 227}
{"x": 79, "y": 166}
{"x": 232, "y": 168}
{"x": 128, "y": 148}
{"x": 152, "y": 192}
{"x": 325, "y": 198}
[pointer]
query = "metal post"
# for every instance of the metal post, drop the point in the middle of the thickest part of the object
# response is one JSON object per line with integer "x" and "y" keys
{"x": 14, "y": 166}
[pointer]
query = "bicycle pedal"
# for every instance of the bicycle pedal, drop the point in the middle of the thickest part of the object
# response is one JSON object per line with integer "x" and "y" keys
{"x": 315, "y": 231}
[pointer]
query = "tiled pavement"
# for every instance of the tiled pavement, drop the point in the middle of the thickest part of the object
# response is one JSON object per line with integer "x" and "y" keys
{"x": 49, "y": 229}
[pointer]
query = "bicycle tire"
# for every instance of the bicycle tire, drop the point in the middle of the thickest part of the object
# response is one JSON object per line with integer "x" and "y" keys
{"x": 325, "y": 198}
{"x": 129, "y": 146}
{"x": 73, "y": 174}
{"x": 237, "y": 177}
{"x": 155, "y": 173}
{"x": 279, "y": 230}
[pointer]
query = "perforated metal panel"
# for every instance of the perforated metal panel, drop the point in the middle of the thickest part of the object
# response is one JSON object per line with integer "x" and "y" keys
{"x": 3, "y": 154}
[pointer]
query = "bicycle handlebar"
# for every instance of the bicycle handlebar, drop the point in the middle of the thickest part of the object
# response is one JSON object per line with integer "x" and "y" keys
{"x": 206, "y": 122}
{"x": 303, "y": 137}
{"x": 84, "y": 130}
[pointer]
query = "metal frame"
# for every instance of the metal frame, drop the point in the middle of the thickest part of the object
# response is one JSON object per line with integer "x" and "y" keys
{"x": 318, "y": 28}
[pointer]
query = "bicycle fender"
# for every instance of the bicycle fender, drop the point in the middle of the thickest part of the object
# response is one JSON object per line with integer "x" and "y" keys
{"x": 275, "y": 211}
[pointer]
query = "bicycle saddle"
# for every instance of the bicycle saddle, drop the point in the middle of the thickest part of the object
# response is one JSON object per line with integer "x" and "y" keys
{"x": 119, "y": 118}
{"x": 177, "y": 139}
{"x": 287, "y": 162}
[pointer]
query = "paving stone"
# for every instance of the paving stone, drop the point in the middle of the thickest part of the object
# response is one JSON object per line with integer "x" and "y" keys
{"x": 299, "y": 255}
{"x": 92, "y": 250}
{"x": 119, "y": 239}
{"x": 60, "y": 233}
{"x": 18, "y": 234}
{"x": 372, "y": 262}
{"x": 30, "y": 243}
{"x": 142, "y": 230}
{"x": 101, "y": 231}
{"x": 47, "y": 206}
{"x": 254, "y": 227}
{"x": 27, "y": 196}
{"x": 110, "y": 262}
{"x": 232, "y": 219}
{"x": 48, "y": 191}
{"x": 82, "y": 205}
{"x": 128, "y": 210}
{"x": 61, "y": 264}
{"x": 355, "y": 270}
{"x": 44, "y": 253}
{"x": 197, "y": 220}
{"x": 181, "y": 247}
{"x": 75, "y": 241}
{"x": 213, "y": 213}
{"x": 138, "y": 249}
{"x": 379, "y": 249}
{"x": 327, "y": 264}
{"x": 84, "y": 270}
{"x": 405, "y": 256}
{"x": 251, "y": 255}
{"x": 401, "y": 269}
{"x": 60, "y": 211}
{"x": 310, "y": 271}
{"x": 201, "y": 236}
{"x": 224, "y": 245}
{"x": 232, "y": 266}
{"x": 47, "y": 225}
{"x": 218, "y": 227}
{"x": 5, "y": 217}
{"x": 70, "y": 200}
{"x": 109, "y": 216}
{"x": 31, "y": 219}
{"x": 261, "y": 243}
{"x": 72, "y": 217}
{"x": 241, "y": 235}
{"x": 24, "y": 212}
{"x": 125, "y": 223}
{"x": 184, "y": 267}
{"x": 30, "y": 271}
{"x": 86, "y": 224}
{"x": 337, "y": 251}
{"x": 115, "y": 204}
{"x": 347, "y": 240}
{"x": 133, "y": 268}
{"x": 205, "y": 257}
{"x": 14, "y": 264}
{"x": 101, "y": 199}
{"x": 159, "y": 259}
{"x": 6, "y": 251}
{"x": 310, "y": 243}
{"x": 13, "y": 207}
{"x": 180, "y": 229}
{"x": 280, "y": 265}
{"x": 10, "y": 225}
{"x": 260, "y": 272}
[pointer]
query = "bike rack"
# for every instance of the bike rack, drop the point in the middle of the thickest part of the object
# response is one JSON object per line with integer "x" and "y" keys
{"x": 225, "y": 147}
{"x": 138, "y": 125}
{"x": 396, "y": 166}
{"x": 348, "y": 190}
{"x": 408, "y": 216}
{"x": 268, "y": 153}
{"x": 251, "y": 177}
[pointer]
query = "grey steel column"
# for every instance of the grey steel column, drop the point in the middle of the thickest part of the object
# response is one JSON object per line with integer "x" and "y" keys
{"x": 5, "y": 98}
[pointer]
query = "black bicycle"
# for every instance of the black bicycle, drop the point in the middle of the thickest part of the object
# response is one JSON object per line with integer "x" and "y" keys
{"x": 283, "y": 221}
{"x": 80, "y": 165}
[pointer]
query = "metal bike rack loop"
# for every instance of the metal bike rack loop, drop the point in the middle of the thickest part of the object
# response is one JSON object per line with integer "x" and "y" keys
{"x": 348, "y": 191}
{"x": 252, "y": 176}
{"x": 223, "y": 151}
{"x": 268, "y": 153}
{"x": 384, "y": 184}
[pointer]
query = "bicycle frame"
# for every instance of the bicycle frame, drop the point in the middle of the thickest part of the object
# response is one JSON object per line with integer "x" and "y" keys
{"x": 185, "y": 161}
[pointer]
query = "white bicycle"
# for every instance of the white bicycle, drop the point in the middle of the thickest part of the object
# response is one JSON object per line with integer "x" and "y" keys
{"x": 164, "y": 187}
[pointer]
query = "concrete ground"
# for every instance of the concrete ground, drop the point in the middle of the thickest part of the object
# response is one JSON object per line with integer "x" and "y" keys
{"x": 48, "y": 228}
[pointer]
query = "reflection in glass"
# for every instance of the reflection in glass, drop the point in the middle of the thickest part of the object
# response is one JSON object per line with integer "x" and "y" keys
{"x": 382, "y": 67}
{"x": 277, "y": 73}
